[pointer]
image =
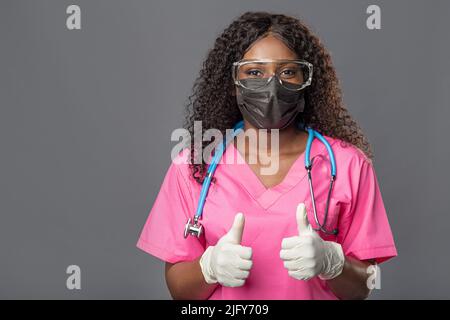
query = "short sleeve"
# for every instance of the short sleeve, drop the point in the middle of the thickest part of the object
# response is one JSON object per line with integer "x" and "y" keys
{"x": 162, "y": 235}
{"x": 364, "y": 232}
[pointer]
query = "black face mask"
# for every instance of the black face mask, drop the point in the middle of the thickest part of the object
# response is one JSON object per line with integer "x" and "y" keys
{"x": 270, "y": 106}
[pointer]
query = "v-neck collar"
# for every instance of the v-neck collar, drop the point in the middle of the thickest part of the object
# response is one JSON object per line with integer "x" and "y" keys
{"x": 264, "y": 196}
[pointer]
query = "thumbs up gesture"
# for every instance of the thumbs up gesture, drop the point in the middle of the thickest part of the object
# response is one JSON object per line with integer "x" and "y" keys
{"x": 228, "y": 263}
{"x": 308, "y": 255}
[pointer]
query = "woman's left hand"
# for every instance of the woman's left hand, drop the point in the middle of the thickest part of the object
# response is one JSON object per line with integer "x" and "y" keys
{"x": 308, "y": 255}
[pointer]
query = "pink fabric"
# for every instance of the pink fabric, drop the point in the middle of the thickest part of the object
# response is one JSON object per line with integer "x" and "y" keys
{"x": 356, "y": 208}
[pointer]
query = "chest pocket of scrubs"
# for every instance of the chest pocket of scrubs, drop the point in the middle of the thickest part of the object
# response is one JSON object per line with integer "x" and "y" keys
{"x": 334, "y": 210}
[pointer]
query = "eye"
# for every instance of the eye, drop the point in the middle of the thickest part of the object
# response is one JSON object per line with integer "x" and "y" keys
{"x": 289, "y": 72}
{"x": 253, "y": 73}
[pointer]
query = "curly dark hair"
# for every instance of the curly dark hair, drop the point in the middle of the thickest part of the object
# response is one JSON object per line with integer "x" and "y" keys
{"x": 213, "y": 103}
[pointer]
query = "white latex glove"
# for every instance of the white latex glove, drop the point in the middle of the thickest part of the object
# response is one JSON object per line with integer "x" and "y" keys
{"x": 308, "y": 255}
{"x": 228, "y": 262}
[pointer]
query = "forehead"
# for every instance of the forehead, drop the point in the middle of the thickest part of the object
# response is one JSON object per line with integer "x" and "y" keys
{"x": 269, "y": 47}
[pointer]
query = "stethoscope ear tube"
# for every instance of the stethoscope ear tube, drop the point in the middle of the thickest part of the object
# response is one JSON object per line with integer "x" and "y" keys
{"x": 321, "y": 226}
{"x": 314, "y": 134}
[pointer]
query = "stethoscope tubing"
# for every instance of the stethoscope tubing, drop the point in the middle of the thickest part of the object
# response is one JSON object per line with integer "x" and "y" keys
{"x": 312, "y": 134}
{"x": 212, "y": 167}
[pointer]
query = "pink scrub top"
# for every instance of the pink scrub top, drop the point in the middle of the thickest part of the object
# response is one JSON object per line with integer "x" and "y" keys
{"x": 356, "y": 208}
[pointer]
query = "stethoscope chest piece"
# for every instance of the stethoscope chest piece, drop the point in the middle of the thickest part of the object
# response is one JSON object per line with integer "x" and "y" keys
{"x": 195, "y": 229}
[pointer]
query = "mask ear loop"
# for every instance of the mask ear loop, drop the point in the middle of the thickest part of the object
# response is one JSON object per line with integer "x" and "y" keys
{"x": 301, "y": 124}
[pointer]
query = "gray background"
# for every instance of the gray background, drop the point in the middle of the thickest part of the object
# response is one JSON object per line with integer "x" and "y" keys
{"x": 86, "y": 118}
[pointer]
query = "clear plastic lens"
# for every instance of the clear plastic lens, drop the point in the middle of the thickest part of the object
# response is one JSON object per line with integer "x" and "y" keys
{"x": 295, "y": 74}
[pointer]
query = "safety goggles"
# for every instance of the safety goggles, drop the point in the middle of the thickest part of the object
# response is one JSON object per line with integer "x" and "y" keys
{"x": 254, "y": 74}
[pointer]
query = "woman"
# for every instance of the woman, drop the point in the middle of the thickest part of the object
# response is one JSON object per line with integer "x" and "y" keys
{"x": 271, "y": 249}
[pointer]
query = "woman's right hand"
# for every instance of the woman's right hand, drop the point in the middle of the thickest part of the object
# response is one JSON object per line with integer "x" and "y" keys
{"x": 228, "y": 263}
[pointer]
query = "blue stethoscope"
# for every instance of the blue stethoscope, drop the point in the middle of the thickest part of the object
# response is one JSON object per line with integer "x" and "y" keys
{"x": 196, "y": 228}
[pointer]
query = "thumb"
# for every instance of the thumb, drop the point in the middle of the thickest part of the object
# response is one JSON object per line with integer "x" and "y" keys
{"x": 302, "y": 219}
{"x": 235, "y": 233}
